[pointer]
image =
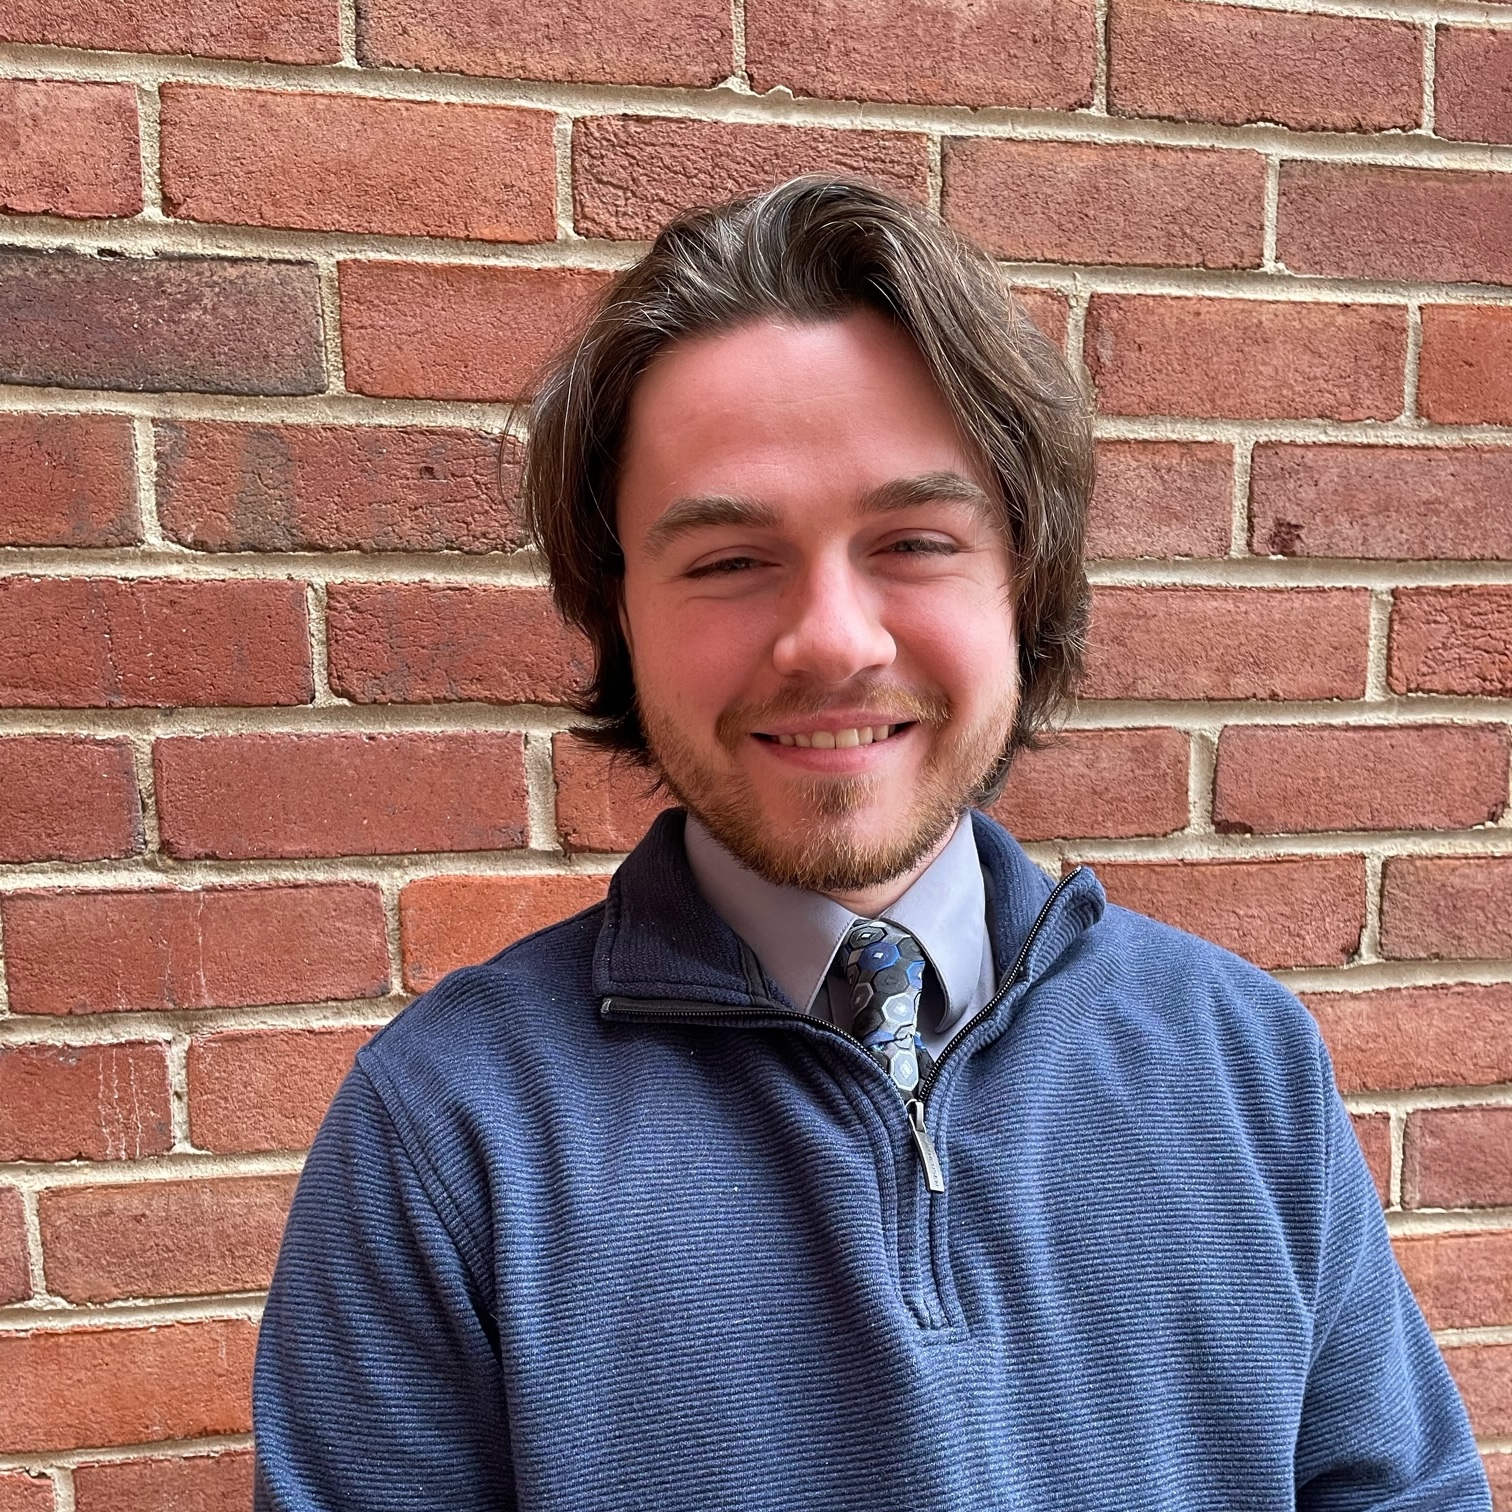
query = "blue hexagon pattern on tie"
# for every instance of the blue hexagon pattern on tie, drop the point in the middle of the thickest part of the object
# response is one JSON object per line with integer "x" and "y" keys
{"x": 885, "y": 969}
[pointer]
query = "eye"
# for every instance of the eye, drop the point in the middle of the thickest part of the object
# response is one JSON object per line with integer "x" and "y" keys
{"x": 723, "y": 566}
{"x": 922, "y": 546}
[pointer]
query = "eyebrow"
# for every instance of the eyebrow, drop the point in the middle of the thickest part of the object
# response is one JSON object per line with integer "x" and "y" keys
{"x": 702, "y": 511}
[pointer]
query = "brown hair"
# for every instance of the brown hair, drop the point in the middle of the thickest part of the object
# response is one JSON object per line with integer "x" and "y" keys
{"x": 813, "y": 249}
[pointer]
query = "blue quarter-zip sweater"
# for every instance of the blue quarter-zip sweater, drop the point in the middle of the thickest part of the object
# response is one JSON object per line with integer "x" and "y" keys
{"x": 606, "y": 1223}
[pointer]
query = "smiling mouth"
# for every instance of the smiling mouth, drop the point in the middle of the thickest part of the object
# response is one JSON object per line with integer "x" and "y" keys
{"x": 836, "y": 740}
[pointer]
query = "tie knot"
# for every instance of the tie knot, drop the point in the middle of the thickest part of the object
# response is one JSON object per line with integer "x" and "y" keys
{"x": 885, "y": 968}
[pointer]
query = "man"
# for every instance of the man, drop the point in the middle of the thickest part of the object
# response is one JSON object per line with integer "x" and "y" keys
{"x": 841, "y": 1159}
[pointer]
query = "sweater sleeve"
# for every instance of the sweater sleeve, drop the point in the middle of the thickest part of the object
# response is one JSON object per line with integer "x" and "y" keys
{"x": 377, "y": 1383}
{"x": 1382, "y": 1424}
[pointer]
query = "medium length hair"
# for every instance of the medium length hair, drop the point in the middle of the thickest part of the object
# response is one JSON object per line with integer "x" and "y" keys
{"x": 815, "y": 249}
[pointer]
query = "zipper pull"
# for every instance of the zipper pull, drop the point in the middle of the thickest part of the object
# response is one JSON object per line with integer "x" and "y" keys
{"x": 934, "y": 1177}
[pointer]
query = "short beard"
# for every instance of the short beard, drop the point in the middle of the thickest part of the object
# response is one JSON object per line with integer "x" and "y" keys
{"x": 817, "y": 854}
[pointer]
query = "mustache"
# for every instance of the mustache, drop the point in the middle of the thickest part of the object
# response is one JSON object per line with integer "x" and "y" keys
{"x": 904, "y": 704}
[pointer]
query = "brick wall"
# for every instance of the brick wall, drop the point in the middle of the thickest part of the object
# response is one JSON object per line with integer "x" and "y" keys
{"x": 281, "y": 731}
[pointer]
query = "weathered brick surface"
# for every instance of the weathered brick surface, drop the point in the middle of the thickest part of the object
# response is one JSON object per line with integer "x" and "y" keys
{"x": 439, "y": 331}
{"x": 451, "y": 921}
{"x": 1298, "y": 778}
{"x": 1483, "y": 1373}
{"x": 1355, "y": 220}
{"x": 1094, "y": 203}
{"x": 1417, "y": 1036}
{"x": 1249, "y": 359}
{"x": 83, "y": 1102}
{"x": 1161, "y": 499}
{"x": 71, "y": 148}
{"x": 266, "y": 1089}
{"x": 1472, "y": 95}
{"x": 1373, "y": 1130}
{"x": 631, "y": 174}
{"x": 610, "y": 42}
{"x": 86, "y": 1387}
{"x": 63, "y": 798}
{"x": 601, "y": 805}
{"x": 160, "y": 642}
{"x": 1288, "y": 912}
{"x": 21, "y": 1491}
{"x": 271, "y": 31}
{"x": 218, "y": 947}
{"x": 346, "y": 163}
{"x": 1002, "y": 52}
{"x": 70, "y": 481}
{"x": 226, "y": 325}
{"x": 1452, "y": 640}
{"x": 423, "y": 643}
{"x": 1047, "y": 310}
{"x": 1383, "y": 502}
{"x": 1498, "y": 1468}
{"x": 1458, "y": 1158}
{"x": 1463, "y": 366}
{"x": 226, "y": 486}
{"x": 1434, "y": 906}
{"x": 1236, "y": 65}
{"x": 162, "y": 1238}
{"x": 335, "y": 795}
{"x": 1103, "y": 783}
{"x": 194, "y": 1483}
{"x": 1460, "y": 1280}
{"x": 1257, "y": 643}
{"x": 15, "y": 1267}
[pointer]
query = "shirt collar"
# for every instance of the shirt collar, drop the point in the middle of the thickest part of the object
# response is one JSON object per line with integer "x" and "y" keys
{"x": 795, "y": 933}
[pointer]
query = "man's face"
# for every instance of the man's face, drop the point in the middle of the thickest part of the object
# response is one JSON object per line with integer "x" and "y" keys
{"x": 816, "y": 597}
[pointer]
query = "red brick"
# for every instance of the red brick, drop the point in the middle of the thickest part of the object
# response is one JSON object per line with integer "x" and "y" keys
{"x": 219, "y": 947}
{"x": 1381, "y": 502}
{"x": 64, "y": 798}
{"x": 1087, "y": 202}
{"x": 1237, "y": 65}
{"x": 1048, "y": 309}
{"x": 428, "y": 643}
{"x": 83, "y": 1102}
{"x": 1452, "y": 640}
{"x": 1246, "y": 359}
{"x": 271, "y": 31}
{"x": 70, "y": 480}
{"x": 1399, "y": 1037}
{"x": 87, "y": 1387}
{"x": 1437, "y": 906}
{"x": 1464, "y": 363}
{"x": 1373, "y": 1130}
{"x": 225, "y": 486}
{"x": 610, "y": 42}
{"x": 163, "y": 1238}
{"x": 1161, "y": 499}
{"x": 1357, "y": 220}
{"x": 1300, "y": 779}
{"x": 1256, "y": 643}
{"x": 454, "y": 921}
{"x": 631, "y": 174}
{"x": 266, "y": 1089}
{"x": 1472, "y": 93}
{"x": 1498, "y": 1469}
{"x": 1290, "y": 912}
{"x": 957, "y": 52}
{"x": 324, "y": 162}
{"x": 76, "y": 643}
{"x": 601, "y": 805}
{"x": 457, "y": 331}
{"x": 340, "y": 795}
{"x": 1460, "y": 1280}
{"x": 1483, "y": 1373}
{"x": 206, "y": 325}
{"x": 1102, "y": 783}
{"x": 71, "y": 149}
{"x": 21, "y": 1491}
{"x": 1458, "y": 1158}
{"x": 15, "y": 1268}
{"x": 198, "y": 1483}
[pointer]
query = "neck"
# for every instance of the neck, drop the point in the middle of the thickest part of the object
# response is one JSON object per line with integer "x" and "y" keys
{"x": 869, "y": 902}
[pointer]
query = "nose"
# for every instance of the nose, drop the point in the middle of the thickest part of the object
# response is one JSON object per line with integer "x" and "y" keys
{"x": 835, "y": 630}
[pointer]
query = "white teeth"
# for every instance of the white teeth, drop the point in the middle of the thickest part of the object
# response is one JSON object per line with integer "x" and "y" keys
{"x": 845, "y": 739}
{"x": 785, "y": 740}
{"x": 881, "y": 732}
{"x": 822, "y": 740}
{"x": 802, "y": 740}
{"x": 865, "y": 735}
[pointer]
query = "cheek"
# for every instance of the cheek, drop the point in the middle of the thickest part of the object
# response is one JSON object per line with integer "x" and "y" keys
{"x": 965, "y": 643}
{"x": 695, "y": 654}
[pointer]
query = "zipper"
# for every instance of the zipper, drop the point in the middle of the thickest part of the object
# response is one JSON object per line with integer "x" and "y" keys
{"x": 688, "y": 1010}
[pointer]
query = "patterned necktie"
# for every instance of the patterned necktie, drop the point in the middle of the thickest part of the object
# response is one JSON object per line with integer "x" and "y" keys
{"x": 885, "y": 968}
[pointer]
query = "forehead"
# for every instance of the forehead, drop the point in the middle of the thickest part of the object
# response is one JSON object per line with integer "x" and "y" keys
{"x": 789, "y": 413}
